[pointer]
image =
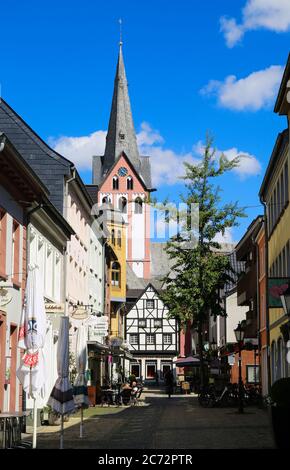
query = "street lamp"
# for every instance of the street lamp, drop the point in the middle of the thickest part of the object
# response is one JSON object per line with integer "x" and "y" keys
{"x": 240, "y": 334}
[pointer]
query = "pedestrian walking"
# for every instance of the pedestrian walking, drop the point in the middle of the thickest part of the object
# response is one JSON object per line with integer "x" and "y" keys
{"x": 169, "y": 382}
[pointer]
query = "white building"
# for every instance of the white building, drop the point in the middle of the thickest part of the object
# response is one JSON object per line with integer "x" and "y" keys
{"x": 152, "y": 336}
{"x": 47, "y": 237}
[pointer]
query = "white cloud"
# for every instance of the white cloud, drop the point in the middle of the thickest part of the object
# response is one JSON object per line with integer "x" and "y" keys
{"x": 273, "y": 15}
{"x": 166, "y": 164}
{"x": 80, "y": 149}
{"x": 254, "y": 92}
{"x": 226, "y": 238}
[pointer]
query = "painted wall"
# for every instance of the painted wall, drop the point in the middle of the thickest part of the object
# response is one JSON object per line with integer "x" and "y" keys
{"x": 138, "y": 232}
{"x": 10, "y": 396}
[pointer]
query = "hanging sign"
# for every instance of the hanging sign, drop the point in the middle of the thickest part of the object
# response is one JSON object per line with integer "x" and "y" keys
{"x": 54, "y": 308}
{"x": 5, "y": 296}
{"x": 81, "y": 313}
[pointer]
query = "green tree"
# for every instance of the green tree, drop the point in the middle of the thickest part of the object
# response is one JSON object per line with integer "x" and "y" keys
{"x": 199, "y": 268}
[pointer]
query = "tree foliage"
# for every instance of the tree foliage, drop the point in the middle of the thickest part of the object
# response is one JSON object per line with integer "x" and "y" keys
{"x": 200, "y": 268}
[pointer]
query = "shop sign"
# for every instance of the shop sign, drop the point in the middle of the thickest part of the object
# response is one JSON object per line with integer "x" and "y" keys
{"x": 99, "y": 329}
{"x": 54, "y": 308}
{"x": 81, "y": 313}
{"x": 5, "y": 297}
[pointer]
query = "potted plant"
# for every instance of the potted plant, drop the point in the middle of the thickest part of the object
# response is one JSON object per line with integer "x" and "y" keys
{"x": 53, "y": 417}
{"x": 280, "y": 412}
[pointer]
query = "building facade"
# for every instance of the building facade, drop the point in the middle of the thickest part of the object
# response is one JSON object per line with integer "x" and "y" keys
{"x": 152, "y": 335}
{"x": 20, "y": 192}
{"x": 124, "y": 177}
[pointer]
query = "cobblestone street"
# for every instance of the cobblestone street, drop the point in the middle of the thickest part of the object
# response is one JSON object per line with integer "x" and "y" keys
{"x": 162, "y": 423}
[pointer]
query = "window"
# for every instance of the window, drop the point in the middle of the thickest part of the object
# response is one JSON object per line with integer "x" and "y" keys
{"x": 142, "y": 323}
{"x": 15, "y": 251}
{"x": 105, "y": 200}
{"x": 57, "y": 278}
{"x": 167, "y": 338}
{"x": 150, "y": 304}
{"x": 158, "y": 323}
{"x": 133, "y": 339}
{"x": 150, "y": 339}
{"x": 122, "y": 136}
{"x": 138, "y": 205}
{"x": 115, "y": 182}
{"x": 123, "y": 205}
{"x": 113, "y": 239}
{"x": 116, "y": 275}
{"x": 119, "y": 238}
{"x": 130, "y": 182}
{"x": 2, "y": 242}
{"x": 253, "y": 374}
{"x": 135, "y": 370}
{"x": 49, "y": 271}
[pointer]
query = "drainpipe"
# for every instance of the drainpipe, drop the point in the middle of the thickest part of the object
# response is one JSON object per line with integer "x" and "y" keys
{"x": 267, "y": 299}
{"x": 2, "y": 142}
{"x": 65, "y": 252}
{"x": 258, "y": 311}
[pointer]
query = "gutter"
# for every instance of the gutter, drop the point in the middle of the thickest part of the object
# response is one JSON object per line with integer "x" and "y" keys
{"x": 65, "y": 254}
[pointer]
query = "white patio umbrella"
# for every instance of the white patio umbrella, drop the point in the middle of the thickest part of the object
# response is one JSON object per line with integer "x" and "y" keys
{"x": 61, "y": 397}
{"x": 80, "y": 386}
{"x": 32, "y": 332}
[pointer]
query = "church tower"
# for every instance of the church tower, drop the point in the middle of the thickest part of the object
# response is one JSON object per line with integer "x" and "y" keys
{"x": 123, "y": 176}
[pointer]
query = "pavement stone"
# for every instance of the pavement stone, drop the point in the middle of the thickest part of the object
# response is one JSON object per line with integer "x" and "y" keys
{"x": 163, "y": 423}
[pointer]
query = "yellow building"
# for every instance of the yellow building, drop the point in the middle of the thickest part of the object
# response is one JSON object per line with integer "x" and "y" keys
{"x": 274, "y": 193}
{"x": 117, "y": 270}
{"x": 116, "y": 291}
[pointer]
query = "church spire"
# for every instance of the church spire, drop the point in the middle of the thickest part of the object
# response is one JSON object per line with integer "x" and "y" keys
{"x": 121, "y": 134}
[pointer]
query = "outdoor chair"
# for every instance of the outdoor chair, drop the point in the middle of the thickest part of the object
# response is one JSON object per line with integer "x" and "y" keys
{"x": 136, "y": 396}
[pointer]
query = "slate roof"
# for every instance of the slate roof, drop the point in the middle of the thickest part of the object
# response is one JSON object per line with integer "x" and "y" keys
{"x": 121, "y": 136}
{"x": 50, "y": 167}
{"x": 92, "y": 190}
{"x": 47, "y": 164}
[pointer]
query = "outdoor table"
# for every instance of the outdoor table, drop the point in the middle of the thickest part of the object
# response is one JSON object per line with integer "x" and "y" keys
{"x": 10, "y": 415}
{"x": 111, "y": 393}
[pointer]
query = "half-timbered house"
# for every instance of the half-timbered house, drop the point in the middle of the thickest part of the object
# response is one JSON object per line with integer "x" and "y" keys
{"x": 151, "y": 334}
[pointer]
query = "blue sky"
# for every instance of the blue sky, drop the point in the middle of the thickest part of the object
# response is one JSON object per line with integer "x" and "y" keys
{"x": 58, "y": 63}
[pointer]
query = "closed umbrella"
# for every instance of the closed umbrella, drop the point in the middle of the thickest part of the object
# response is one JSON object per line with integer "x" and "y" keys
{"x": 61, "y": 397}
{"x": 80, "y": 385}
{"x": 32, "y": 332}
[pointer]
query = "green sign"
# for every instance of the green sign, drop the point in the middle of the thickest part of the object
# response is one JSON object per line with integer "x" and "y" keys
{"x": 276, "y": 287}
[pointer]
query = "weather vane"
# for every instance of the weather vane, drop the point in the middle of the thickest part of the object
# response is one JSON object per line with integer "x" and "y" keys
{"x": 120, "y": 22}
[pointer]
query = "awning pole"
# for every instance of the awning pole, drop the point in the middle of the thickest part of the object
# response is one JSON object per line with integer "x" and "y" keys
{"x": 61, "y": 433}
{"x": 34, "y": 423}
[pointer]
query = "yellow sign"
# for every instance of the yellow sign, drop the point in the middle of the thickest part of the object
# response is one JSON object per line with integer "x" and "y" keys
{"x": 54, "y": 308}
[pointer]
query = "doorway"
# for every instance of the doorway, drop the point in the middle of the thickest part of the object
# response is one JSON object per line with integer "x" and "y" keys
{"x": 150, "y": 370}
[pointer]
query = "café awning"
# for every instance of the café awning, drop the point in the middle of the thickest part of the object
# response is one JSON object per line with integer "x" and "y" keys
{"x": 187, "y": 361}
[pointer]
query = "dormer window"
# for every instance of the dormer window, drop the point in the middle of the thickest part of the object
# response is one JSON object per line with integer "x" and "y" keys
{"x": 115, "y": 182}
{"x": 129, "y": 182}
